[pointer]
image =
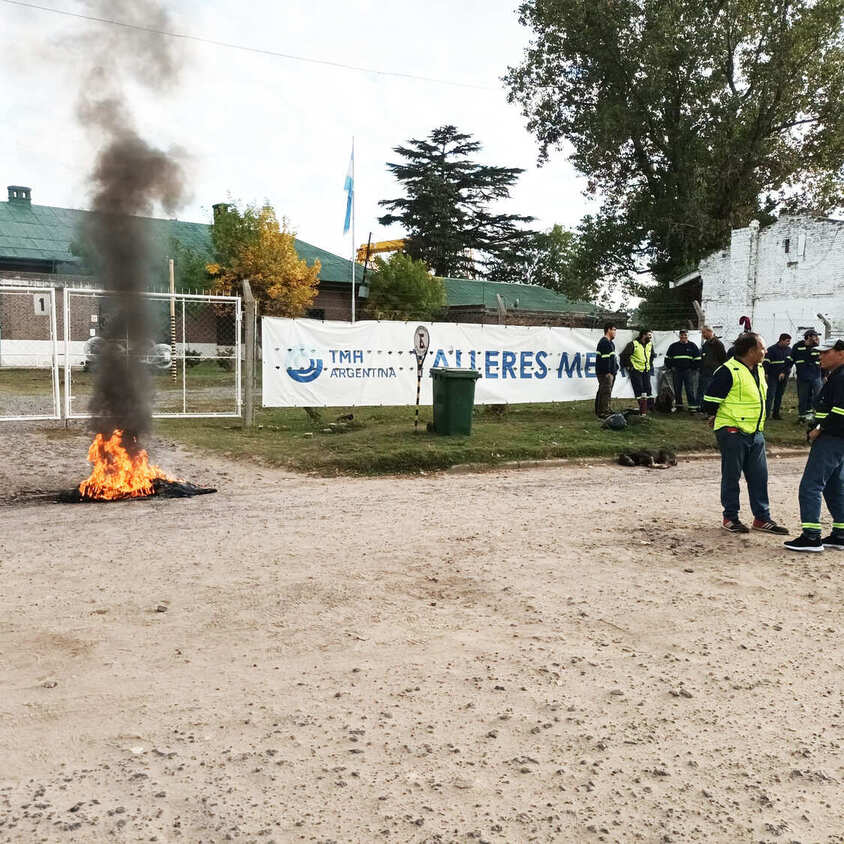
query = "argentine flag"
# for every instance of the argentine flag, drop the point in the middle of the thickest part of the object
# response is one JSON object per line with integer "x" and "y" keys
{"x": 349, "y": 187}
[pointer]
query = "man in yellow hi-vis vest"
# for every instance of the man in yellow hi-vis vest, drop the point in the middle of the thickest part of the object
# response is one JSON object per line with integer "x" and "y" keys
{"x": 735, "y": 405}
{"x": 638, "y": 359}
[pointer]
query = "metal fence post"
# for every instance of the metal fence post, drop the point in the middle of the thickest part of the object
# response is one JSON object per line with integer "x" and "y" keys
{"x": 251, "y": 314}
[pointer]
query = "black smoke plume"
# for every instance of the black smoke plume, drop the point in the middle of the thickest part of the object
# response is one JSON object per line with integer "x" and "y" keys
{"x": 130, "y": 178}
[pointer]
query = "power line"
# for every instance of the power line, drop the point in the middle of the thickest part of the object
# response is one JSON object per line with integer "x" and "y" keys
{"x": 245, "y": 48}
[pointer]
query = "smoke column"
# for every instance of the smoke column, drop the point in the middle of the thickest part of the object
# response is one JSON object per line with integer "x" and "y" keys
{"x": 129, "y": 178}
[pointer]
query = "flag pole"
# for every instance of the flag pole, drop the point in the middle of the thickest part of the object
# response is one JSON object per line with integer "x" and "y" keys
{"x": 354, "y": 251}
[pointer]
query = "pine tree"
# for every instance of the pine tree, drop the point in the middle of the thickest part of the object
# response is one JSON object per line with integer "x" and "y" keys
{"x": 446, "y": 209}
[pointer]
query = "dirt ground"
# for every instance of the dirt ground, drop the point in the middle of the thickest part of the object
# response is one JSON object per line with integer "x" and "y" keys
{"x": 570, "y": 654}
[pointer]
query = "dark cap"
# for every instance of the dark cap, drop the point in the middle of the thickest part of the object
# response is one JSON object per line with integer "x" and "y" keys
{"x": 810, "y": 333}
{"x": 831, "y": 345}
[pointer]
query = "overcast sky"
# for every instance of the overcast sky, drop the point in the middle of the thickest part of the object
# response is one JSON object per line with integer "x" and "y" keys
{"x": 263, "y": 128}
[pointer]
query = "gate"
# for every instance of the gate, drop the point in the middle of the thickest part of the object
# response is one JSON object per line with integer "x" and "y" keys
{"x": 193, "y": 358}
{"x": 29, "y": 361}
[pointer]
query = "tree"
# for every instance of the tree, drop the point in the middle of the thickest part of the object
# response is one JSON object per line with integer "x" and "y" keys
{"x": 190, "y": 267}
{"x": 688, "y": 117}
{"x": 446, "y": 207}
{"x": 250, "y": 244}
{"x": 403, "y": 288}
{"x": 549, "y": 259}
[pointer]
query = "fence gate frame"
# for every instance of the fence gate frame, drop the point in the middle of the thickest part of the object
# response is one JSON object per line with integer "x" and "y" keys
{"x": 185, "y": 297}
{"x": 54, "y": 346}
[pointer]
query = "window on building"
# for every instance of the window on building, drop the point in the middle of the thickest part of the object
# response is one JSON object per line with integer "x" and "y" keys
{"x": 801, "y": 245}
{"x": 786, "y": 245}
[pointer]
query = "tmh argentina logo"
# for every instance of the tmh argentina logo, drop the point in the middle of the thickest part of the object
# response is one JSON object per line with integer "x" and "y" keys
{"x": 303, "y": 368}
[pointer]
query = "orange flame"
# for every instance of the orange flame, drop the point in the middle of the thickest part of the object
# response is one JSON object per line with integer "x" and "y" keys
{"x": 116, "y": 474}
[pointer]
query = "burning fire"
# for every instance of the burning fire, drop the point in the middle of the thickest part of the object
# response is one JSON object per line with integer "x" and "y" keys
{"x": 117, "y": 474}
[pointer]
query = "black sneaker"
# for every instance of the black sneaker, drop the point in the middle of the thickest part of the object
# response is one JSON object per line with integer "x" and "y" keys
{"x": 769, "y": 527}
{"x": 833, "y": 542}
{"x": 804, "y": 543}
{"x": 734, "y": 526}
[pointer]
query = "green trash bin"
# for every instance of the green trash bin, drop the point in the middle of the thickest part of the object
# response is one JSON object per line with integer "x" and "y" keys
{"x": 454, "y": 399}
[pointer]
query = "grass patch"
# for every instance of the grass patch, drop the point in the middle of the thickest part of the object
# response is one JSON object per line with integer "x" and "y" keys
{"x": 380, "y": 440}
{"x": 27, "y": 382}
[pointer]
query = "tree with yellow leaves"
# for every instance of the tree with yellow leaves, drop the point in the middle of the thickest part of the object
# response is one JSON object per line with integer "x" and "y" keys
{"x": 252, "y": 245}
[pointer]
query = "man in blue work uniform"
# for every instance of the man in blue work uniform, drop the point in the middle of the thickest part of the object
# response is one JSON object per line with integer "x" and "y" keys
{"x": 777, "y": 366}
{"x": 713, "y": 354}
{"x": 824, "y": 472}
{"x": 735, "y": 405}
{"x": 807, "y": 367}
{"x": 683, "y": 359}
{"x": 606, "y": 367}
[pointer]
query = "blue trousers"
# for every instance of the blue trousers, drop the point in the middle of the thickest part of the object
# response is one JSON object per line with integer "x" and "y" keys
{"x": 743, "y": 454}
{"x": 703, "y": 381}
{"x": 776, "y": 390}
{"x": 823, "y": 476}
{"x": 641, "y": 383}
{"x": 807, "y": 392}
{"x": 685, "y": 378}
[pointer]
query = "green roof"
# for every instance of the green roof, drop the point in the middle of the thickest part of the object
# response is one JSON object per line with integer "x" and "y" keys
{"x": 44, "y": 233}
{"x": 524, "y": 297}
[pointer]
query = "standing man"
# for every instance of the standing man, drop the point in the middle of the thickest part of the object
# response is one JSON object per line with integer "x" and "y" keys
{"x": 824, "y": 472}
{"x": 713, "y": 354}
{"x": 807, "y": 366}
{"x": 638, "y": 358}
{"x": 735, "y": 405}
{"x": 606, "y": 367}
{"x": 777, "y": 365}
{"x": 683, "y": 359}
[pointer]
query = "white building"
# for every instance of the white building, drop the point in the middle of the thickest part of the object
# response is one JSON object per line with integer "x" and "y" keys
{"x": 781, "y": 276}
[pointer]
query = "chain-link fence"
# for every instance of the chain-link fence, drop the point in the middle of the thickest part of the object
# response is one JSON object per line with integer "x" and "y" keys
{"x": 192, "y": 355}
{"x": 29, "y": 385}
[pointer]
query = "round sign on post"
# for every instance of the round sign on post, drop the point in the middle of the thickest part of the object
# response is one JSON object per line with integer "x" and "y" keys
{"x": 421, "y": 344}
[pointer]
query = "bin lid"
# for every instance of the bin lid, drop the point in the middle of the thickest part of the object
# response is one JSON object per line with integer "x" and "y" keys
{"x": 454, "y": 372}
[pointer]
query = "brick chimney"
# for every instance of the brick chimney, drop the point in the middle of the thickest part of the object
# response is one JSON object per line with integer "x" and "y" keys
{"x": 220, "y": 208}
{"x": 17, "y": 193}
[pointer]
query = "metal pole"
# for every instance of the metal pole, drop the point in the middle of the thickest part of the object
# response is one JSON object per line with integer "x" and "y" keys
{"x": 249, "y": 355}
{"x": 173, "y": 322}
{"x": 55, "y": 348}
{"x": 238, "y": 322}
{"x": 184, "y": 362}
{"x": 66, "y": 327}
{"x": 418, "y": 387}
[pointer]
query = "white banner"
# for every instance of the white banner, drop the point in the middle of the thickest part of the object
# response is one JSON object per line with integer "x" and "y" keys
{"x": 311, "y": 363}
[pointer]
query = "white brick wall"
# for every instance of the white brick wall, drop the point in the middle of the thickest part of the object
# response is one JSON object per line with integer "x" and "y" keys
{"x": 778, "y": 290}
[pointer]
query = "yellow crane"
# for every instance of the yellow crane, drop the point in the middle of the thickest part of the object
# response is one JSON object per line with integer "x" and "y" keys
{"x": 377, "y": 248}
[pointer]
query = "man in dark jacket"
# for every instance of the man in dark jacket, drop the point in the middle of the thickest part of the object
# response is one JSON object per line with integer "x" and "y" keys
{"x": 683, "y": 359}
{"x": 606, "y": 367}
{"x": 777, "y": 365}
{"x": 712, "y": 355}
{"x": 824, "y": 472}
{"x": 807, "y": 367}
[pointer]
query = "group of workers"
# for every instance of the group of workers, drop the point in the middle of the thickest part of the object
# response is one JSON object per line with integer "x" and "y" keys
{"x": 691, "y": 369}
{"x": 737, "y": 390}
